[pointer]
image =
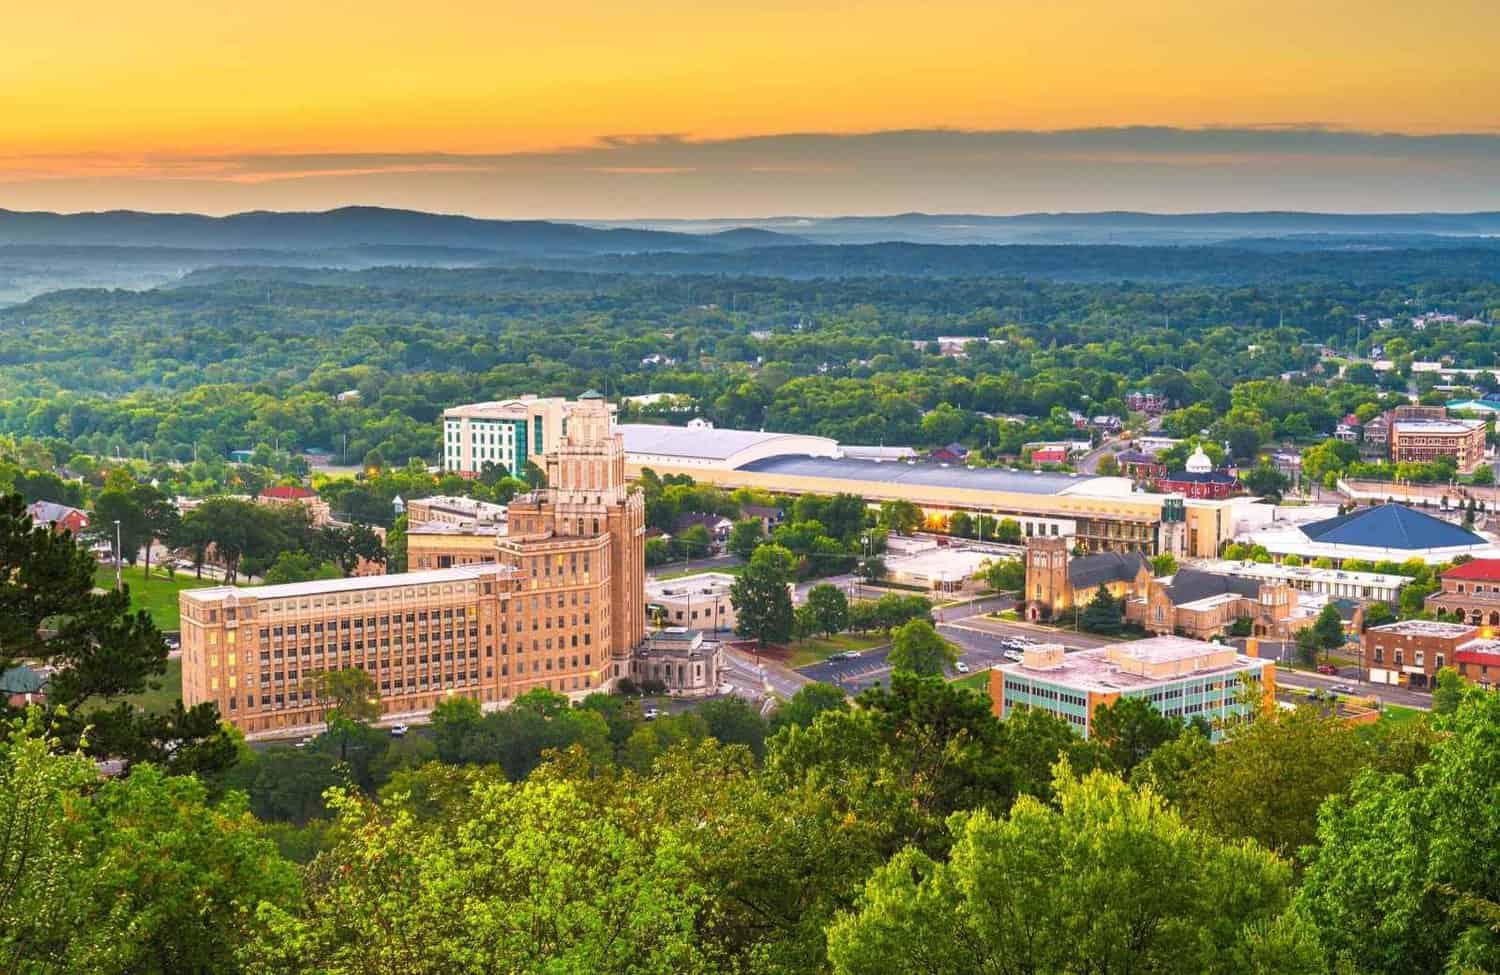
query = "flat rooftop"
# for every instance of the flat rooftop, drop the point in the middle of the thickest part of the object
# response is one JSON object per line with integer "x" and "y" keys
{"x": 1097, "y": 670}
{"x": 323, "y": 587}
{"x": 699, "y": 584}
{"x": 1432, "y": 628}
{"x": 710, "y": 443}
{"x": 1270, "y": 570}
{"x": 945, "y": 564}
{"x": 1438, "y": 426}
{"x": 445, "y": 528}
{"x": 936, "y": 475}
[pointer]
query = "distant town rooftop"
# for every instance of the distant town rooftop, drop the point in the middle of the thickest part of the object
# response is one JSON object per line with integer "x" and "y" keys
{"x": 1272, "y": 570}
{"x": 1438, "y": 426}
{"x": 937, "y": 475}
{"x": 715, "y": 444}
{"x": 698, "y": 584}
{"x": 1431, "y": 628}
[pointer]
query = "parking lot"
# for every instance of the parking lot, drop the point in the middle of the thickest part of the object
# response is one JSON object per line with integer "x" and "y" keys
{"x": 981, "y": 641}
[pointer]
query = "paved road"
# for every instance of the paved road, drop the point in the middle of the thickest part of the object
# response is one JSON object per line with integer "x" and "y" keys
{"x": 693, "y": 565}
{"x": 1089, "y": 462}
{"x": 1348, "y": 674}
{"x": 747, "y": 673}
{"x": 980, "y": 641}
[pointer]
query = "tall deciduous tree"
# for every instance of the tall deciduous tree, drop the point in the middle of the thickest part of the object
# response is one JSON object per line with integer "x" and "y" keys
{"x": 1405, "y": 876}
{"x": 137, "y": 874}
{"x": 918, "y": 648}
{"x": 1268, "y": 779}
{"x": 1108, "y": 880}
{"x": 830, "y": 608}
{"x": 762, "y": 598}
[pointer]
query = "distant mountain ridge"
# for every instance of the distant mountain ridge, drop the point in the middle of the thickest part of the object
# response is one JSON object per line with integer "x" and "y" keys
{"x": 363, "y": 227}
{"x": 1104, "y": 227}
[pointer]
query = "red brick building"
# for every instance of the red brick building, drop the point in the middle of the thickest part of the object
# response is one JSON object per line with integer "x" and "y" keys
{"x": 1409, "y": 653}
{"x": 1472, "y": 590}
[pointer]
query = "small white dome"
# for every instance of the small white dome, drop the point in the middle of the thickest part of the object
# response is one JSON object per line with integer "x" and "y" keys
{"x": 1199, "y": 462}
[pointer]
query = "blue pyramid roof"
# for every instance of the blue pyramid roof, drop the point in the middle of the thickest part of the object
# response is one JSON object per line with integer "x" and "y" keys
{"x": 1390, "y": 526}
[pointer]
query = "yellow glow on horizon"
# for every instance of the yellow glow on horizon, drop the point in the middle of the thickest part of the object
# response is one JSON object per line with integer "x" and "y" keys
{"x": 175, "y": 77}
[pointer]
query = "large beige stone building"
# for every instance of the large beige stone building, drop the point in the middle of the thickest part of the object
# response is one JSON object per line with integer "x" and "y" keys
{"x": 561, "y": 606}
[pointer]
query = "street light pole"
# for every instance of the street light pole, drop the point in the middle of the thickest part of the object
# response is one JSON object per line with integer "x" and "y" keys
{"x": 119, "y": 583}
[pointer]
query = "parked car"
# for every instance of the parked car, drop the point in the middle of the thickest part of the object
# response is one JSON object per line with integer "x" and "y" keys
{"x": 1015, "y": 656}
{"x": 1327, "y": 669}
{"x": 399, "y": 730}
{"x": 1342, "y": 689}
{"x": 304, "y": 742}
{"x": 651, "y": 714}
{"x": 726, "y": 688}
{"x": 961, "y": 667}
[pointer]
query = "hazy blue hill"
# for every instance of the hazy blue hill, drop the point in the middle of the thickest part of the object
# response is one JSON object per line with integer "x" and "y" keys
{"x": 1473, "y": 258}
{"x": 345, "y": 228}
{"x": 1112, "y": 227}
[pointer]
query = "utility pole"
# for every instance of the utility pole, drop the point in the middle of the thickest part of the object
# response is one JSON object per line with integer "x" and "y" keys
{"x": 119, "y": 583}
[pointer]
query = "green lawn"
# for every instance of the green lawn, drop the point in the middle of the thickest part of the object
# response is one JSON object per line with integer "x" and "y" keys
{"x": 978, "y": 683}
{"x": 157, "y": 596}
{"x": 811, "y": 651}
{"x": 162, "y": 699}
{"x": 1396, "y": 714}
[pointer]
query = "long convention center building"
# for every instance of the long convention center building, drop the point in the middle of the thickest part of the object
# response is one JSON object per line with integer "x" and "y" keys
{"x": 560, "y": 606}
{"x": 1099, "y": 513}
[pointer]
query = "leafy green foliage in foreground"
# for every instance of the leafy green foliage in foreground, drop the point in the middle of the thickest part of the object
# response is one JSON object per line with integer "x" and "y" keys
{"x": 914, "y": 833}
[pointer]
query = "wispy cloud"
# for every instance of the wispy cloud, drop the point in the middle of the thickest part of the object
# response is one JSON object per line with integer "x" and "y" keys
{"x": 1279, "y": 165}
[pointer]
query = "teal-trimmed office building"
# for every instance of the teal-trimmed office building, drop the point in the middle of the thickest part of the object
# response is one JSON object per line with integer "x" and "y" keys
{"x": 1180, "y": 677}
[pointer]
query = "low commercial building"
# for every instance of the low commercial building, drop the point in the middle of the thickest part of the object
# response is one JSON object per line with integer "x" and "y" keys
{"x": 1335, "y": 583}
{"x": 443, "y": 532}
{"x": 1409, "y": 653}
{"x": 1427, "y": 440}
{"x": 936, "y": 568}
{"x": 684, "y": 660}
{"x": 1181, "y": 678}
{"x": 696, "y": 602}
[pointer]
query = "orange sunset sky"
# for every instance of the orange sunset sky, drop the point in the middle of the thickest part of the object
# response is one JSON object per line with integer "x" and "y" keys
{"x": 506, "y": 108}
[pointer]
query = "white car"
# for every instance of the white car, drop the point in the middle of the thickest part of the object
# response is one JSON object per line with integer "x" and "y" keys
{"x": 726, "y": 688}
{"x": 399, "y": 730}
{"x": 961, "y": 667}
{"x": 1015, "y": 656}
{"x": 650, "y": 714}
